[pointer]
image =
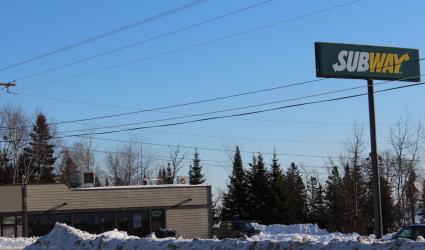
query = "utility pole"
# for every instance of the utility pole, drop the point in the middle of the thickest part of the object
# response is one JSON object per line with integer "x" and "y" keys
{"x": 376, "y": 187}
{"x": 7, "y": 85}
{"x": 24, "y": 207}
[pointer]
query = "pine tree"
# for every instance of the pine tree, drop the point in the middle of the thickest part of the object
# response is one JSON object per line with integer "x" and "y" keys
{"x": 168, "y": 174}
{"x": 258, "y": 190}
{"x": 67, "y": 168}
{"x": 316, "y": 205}
{"x": 277, "y": 208}
{"x": 295, "y": 191}
{"x": 411, "y": 196}
{"x": 387, "y": 207}
{"x": 39, "y": 154}
{"x": 235, "y": 200}
{"x": 422, "y": 203}
{"x": 334, "y": 201}
{"x": 195, "y": 173}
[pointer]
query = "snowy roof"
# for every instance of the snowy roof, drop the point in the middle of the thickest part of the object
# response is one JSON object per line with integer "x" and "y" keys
{"x": 140, "y": 186}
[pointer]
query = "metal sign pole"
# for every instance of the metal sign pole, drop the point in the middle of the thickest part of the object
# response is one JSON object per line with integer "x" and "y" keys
{"x": 376, "y": 187}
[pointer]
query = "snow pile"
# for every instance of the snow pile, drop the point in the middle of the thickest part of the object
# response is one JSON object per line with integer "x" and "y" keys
{"x": 10, "y": 243}
{"x": 312, "y": 229}
{"x": 303, "y": 233}
{"x": 306, "y": 237}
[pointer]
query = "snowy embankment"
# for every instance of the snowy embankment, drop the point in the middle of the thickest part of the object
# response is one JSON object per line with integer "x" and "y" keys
{"x": 16, "y": 243}
{"x": 272, "y": 237}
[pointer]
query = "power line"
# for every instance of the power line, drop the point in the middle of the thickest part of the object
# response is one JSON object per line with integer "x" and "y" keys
{"x": 241, "y": 114}
{"x": 189, "y": 103}
{"x": 109, "y": 33}
{"x": 166, "y": 158}
{"x": 144, "y": 41}
{"x": 225, "y": 110}
{"x": 194, "y": 45}
{"x": 250, "y": 112}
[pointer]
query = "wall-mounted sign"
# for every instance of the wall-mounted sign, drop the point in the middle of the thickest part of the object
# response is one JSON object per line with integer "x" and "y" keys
{"x": 338, "y": 60}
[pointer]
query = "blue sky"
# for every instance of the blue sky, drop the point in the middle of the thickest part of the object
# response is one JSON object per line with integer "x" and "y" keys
{"x": 270, "y": 57}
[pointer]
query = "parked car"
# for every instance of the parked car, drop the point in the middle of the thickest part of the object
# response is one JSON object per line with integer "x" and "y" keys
{"x": 410, "y": 232}
{"x": 235, "y": 229}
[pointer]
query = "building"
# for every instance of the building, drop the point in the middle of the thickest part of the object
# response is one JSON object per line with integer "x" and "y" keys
{"x": 139, "y": 210}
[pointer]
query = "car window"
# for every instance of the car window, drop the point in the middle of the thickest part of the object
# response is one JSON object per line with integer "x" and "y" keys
{"x": 243, "y": 226}
{"x": 406, "y": 233}
{"x": 420, "y": 231}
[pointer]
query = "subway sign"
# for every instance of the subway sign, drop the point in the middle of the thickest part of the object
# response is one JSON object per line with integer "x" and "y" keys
{"x": 338, "y": 60}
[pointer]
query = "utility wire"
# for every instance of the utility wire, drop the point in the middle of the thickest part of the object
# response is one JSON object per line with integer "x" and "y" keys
{"x": 193, "y": 45}
{"x": 144, "y": 41}
{"x": 109, "y": 33}
{"x": 246, "y": 113}
{"x": 189, "y": 103}
{"x": 165, "y": 158}
{"x": 226, "y": 110}
{"x": 240, "y": 114}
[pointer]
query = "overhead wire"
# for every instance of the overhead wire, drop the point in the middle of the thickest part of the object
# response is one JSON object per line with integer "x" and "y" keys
{"x": 193, "y": 45}
{"x": 106, "y": 34}
{"x": 144, "y": 41}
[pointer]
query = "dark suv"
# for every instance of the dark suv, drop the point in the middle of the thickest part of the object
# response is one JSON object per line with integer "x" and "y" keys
{"x": 411, "y": 232}
{"x": 235, "y": 229}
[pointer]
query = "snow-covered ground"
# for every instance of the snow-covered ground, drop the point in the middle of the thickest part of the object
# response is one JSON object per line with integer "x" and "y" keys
{"x": 304, "y": 236}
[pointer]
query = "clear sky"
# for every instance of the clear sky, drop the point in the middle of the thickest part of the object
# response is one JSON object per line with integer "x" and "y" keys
{"x": 270, "y": 57}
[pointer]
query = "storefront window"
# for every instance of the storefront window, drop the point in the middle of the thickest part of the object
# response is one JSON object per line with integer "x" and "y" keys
{"x": 157, "y": 219}
{"x": 134, "y": 222}
{"x": 38, "y": 225}
{"x": 94, "y": 222}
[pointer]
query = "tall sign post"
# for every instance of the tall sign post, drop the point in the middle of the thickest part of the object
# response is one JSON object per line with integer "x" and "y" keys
{"x": 336, "y": 60}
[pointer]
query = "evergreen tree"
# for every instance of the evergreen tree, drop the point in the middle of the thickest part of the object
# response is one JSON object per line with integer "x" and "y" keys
{"x": 316, "y": 204}
{"x": 411, "y": 196}
{"x": 258, "y": 190}
{"x": 422, "y": 203}
{"x": 295, "y": 192}
{"x": 67, "y": 168}
{"x": 235, "y": 200}
{"x": 195, "y": 173}
{"x": 169, "y": 179}
{"x": 277, "y": 208}
{"x": 39, "y": 154}
{"x": 334, "y": 201}
{"x": 387, "y": 207}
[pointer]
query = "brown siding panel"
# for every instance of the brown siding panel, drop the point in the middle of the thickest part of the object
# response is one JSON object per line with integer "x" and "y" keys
{"x": 59, "y": 197}
{"x": 188, "y": 223}
{"x": 10, "y": 199}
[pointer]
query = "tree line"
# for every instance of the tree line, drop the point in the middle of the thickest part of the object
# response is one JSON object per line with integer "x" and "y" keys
{"x": 340, "y": 202}
{"x": 31, "y": 152}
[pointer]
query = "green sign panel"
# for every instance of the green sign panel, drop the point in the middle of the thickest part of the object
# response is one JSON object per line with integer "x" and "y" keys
{"x": 338, "y": 60}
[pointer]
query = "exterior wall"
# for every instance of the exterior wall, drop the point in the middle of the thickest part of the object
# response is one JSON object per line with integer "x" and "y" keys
{"x": 189, "y": 223}
{"x": 59, "y": 197}
{"x": 187, "y": 208}
{"x": 10, "y": 199}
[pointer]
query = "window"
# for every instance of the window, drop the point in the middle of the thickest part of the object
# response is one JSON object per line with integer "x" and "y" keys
{"x": 157, "y": 219}
{"x": 39, "y": 225}
{"x": 134, "y": 222}
{"x": 94, "y": 222}
{"x": 88, "y": 178}
{"x": 406, "y": 233}
{"x": 10, "y": 226}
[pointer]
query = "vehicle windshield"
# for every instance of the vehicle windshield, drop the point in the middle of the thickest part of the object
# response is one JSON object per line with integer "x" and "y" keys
{"x": 243, "y": 226}
{"x": 411, "y": 232}
{"x": 406, "y": 233}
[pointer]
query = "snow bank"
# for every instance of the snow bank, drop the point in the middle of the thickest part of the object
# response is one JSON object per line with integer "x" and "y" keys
{"x": 312, "y": 229}
{"x": 18, "y": 243}
{"x": 305, "y": 237}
